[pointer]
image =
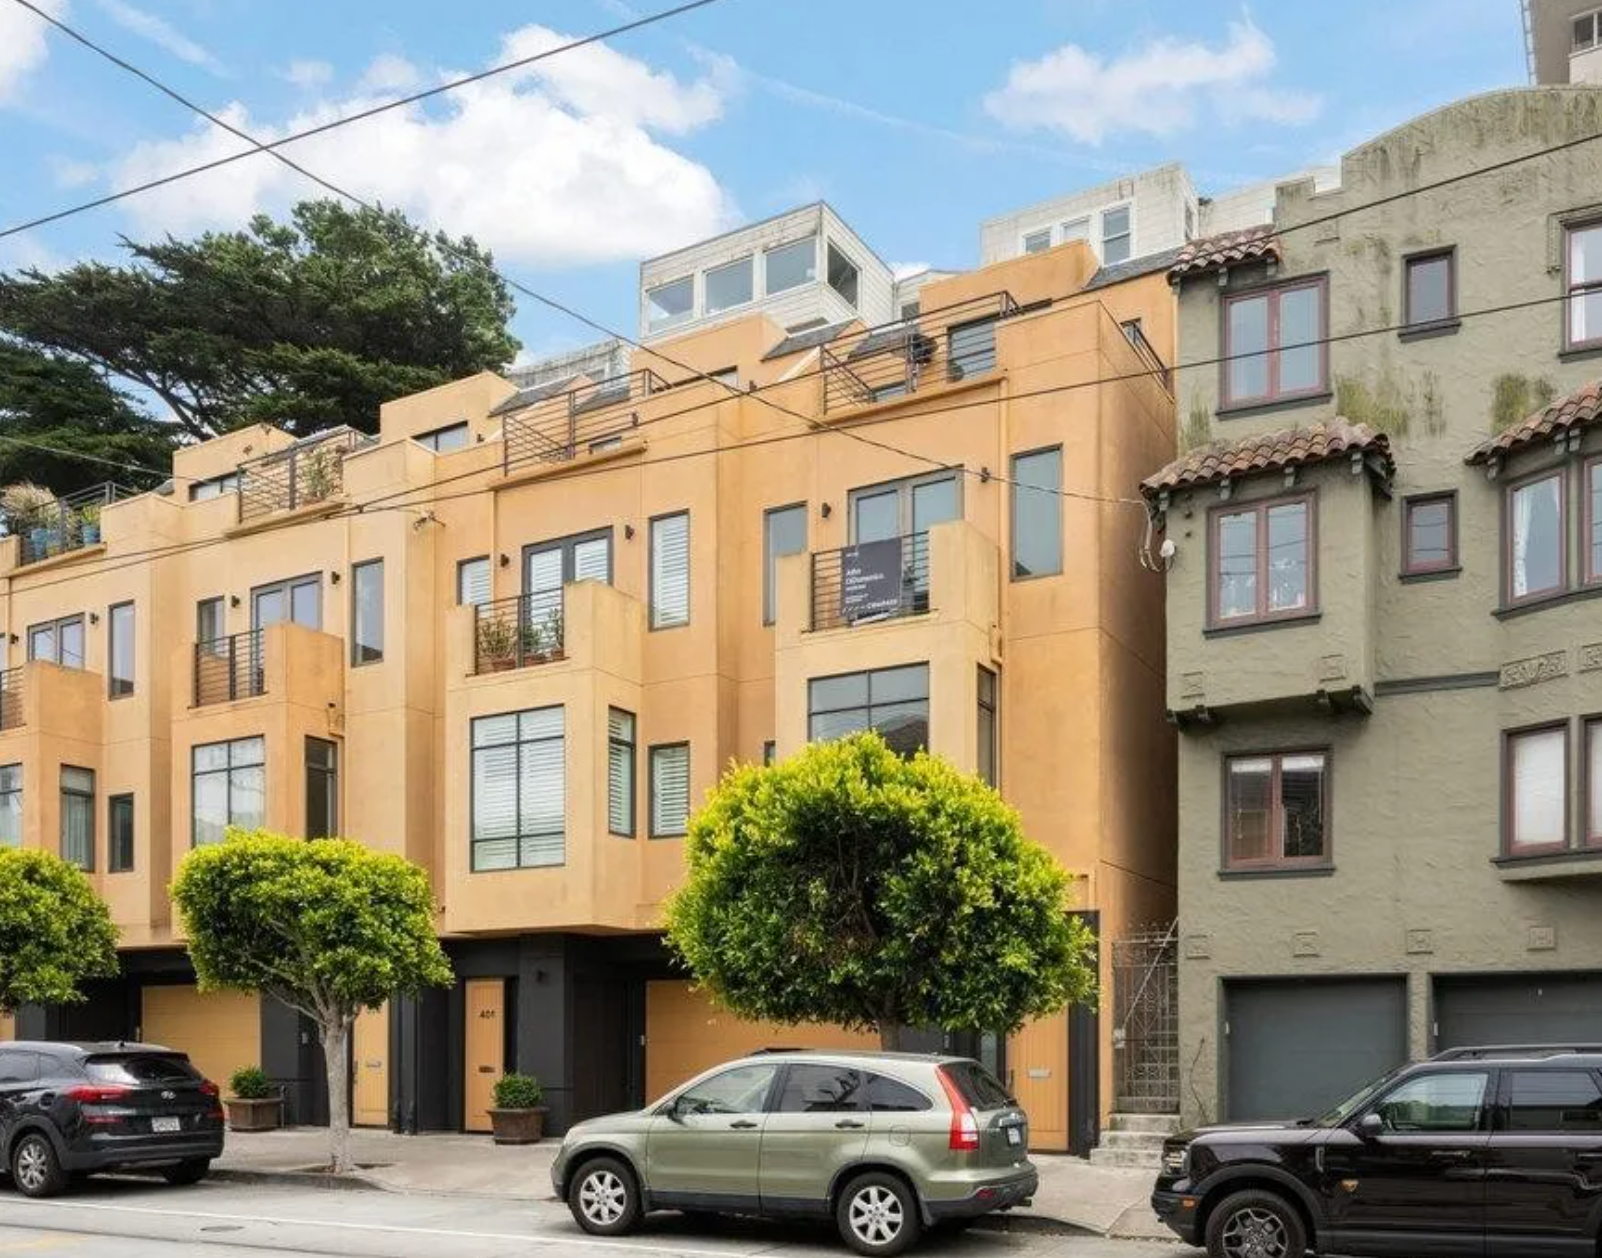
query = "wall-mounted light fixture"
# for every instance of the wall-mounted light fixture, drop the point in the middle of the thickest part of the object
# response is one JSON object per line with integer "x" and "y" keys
{"x": 506, "y": 561}
{"x": 94, "y": 618}
{"x": 233, "y": 600}
{"x": 827, "y": 511}
{"x": 628, "y": 532}
{"x": 13, "y": 638}
{"x": 333, "y": 577}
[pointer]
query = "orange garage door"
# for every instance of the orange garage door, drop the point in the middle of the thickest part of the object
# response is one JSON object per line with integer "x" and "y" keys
{"x": 685, "y": 1034}
{"x": 221, "y": 1031}
{"x": 8, "y": 1027}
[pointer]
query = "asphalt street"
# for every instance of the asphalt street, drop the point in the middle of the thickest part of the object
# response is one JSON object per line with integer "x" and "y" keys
{"x": 141, "y": 1219}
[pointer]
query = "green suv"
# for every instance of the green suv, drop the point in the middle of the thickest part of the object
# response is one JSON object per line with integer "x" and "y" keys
{"x": 884, "y": 1143}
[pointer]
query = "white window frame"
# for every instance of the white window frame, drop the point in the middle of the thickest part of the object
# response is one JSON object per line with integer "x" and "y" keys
{"x": 1023, "y": 240}
{"x": 748, "y": 261}
{"x": 1596, "y": 32}
{"x": 672, "y": 321}
{"x": 1101, "y": 237}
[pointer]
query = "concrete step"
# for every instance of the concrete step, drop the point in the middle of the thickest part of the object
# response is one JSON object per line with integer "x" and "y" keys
{"x": 1140, "y": 1159}
{"x": 1141, "y": 1105}
{"x": 1167, "y": 1124}
{"x": 1132, "y": 1140}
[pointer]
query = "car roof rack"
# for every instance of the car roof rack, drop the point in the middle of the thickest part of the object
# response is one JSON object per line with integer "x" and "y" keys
{"x": 761, "y": 1052}
{"x": 1480, "y": 1051}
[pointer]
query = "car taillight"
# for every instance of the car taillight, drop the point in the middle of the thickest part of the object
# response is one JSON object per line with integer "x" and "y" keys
{"x": 96, "y": 1096}
{"x": 208, "y": 1088}
{"x": 964, "y": 1123}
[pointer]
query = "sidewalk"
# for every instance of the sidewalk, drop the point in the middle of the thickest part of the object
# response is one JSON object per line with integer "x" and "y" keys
{"x": 1106, "y": 1201}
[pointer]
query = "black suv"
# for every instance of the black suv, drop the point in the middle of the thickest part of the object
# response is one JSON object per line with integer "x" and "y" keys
{"x": 1483, "y": 1151}
{"x": 75, "y": 1108}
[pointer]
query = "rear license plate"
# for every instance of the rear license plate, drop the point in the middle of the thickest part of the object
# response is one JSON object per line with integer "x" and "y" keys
{"x": 166, "y": 1125}
{"x": 1014, "y": 1136}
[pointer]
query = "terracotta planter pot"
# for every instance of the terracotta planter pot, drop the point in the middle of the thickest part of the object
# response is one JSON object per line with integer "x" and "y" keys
{"x": 517, "y": 1126}
{"x": 265, "y": 1115}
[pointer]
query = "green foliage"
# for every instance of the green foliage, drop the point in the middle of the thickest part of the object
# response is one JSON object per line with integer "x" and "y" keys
{"x": 1516, "y": 397}
{"x": 848, "y": 885}
{"x": 250, "y": 1083}
{"x": 329, "y": 927}
{"x": 55, "y": 932}
{"x": 307, "y": 324}
{"x": 515, "y": 1091}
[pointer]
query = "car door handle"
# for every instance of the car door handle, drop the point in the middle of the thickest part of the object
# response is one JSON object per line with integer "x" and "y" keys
{"x": 743, "y": 1124}
{"x": 1451, "y": 1155}
{"x": 1589, "y": 1156}
{"x": 850, "y": 1124}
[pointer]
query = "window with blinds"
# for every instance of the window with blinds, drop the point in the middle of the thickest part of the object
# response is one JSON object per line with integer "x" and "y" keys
{"x": 519, "y": 802}
{"x": 971, "y": 348}
{"x": 670, "y": 790}
{"x": 78, "y": 816}
{"x": 473, "y": 581}
{"x": 670, "y": 571}
{"x": 620, "y": 791}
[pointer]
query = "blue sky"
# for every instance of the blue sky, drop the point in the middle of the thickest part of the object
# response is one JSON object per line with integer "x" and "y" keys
{"x": 915, "y": 118}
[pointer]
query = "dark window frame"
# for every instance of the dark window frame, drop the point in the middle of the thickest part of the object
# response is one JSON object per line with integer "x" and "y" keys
{"x": 1448, "y": 254}
{"x": 1509, "y": 803}
{"x": 651, "y": 754}
{"x": 221, "y": 604}
{"x": 1410, "y": 568}
{"x": 1013, "y": 506}
{"x": 287, "y": 587}
{"x": 631, "y": 747}
{"x": 1570, "y": 289}
{"x": 118, "y": 860}
{"x": 55, "y": 626}
{"x": 227, "y": 774}
{"x": 869, "y": 705}
{"x": 1261, "y": 507}
{"x": 770, "y": 751}
{"x": 121, "y": 687}
{"x": 1561, "y": 474}
{"x": 489, "y": 569}
{"x": 6, "y": 792}
{"x": 1590, "y": 574}
{"x": 357, "y": 659}
{"x": 1590, "y": 726}
{"x": 74, "y": 793}
{"x": 993, "y": 708}
{"x": 1273, "y": 293}
{"x": 519, "y": 742}
{"x": 330, "y": 772}
{"x": 1276, "y": 807}
{"x": 430, "y": 440}
{"x": 567, "y": 545}
{"x": 652, "y": 623}
{"x": 770, "y": 560}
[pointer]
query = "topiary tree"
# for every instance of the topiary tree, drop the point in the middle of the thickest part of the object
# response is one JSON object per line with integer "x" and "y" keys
{"x": 328, "y": 927}
{"x": 55, "y": 932}
{"x": 847, "y": 884}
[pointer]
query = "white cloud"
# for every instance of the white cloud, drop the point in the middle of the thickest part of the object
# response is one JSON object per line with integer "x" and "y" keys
{"x": 545, "y": 165}
{"x": 1162, "y": 88}
{"x": 307, "y": 74}
{"x": 69, "y": 172}
{"x": 22, "y": 43}
{"x": 388, "y": 74}
{"x": 161, "y": 33}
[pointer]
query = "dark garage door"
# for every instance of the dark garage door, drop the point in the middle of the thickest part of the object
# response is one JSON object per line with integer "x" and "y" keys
{"x": 1296, "y": 1047}
{"x": 1518, "y": 1009}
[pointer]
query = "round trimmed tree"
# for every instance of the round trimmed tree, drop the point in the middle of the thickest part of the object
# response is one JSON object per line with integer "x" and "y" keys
{"x": 849, "y": 885}
{"x": 55, "y": 932}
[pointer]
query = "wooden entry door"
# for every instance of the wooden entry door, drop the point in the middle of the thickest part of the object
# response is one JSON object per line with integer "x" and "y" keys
{"x": 485, "y": 1056}
{"x": 369, "y": 1051}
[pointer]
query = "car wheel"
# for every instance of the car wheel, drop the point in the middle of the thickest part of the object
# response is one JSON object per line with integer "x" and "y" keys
{"x": 189, "y": 1171}
{"x": 35, "y": 1169}
{"x": 1255, "y": 1224}
{"x": 604, "y": 1198}
{"x": 878, "y": 1215}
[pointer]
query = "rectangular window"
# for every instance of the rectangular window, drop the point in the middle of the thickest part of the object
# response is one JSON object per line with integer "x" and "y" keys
{"x": 57, "y": 641}
{"x": 792, "y": 265}
{"x": 1553, "y": 1101}
{"x": 210, "y": 622}
{"x": 729, "y": 286}
{"x": 1536, "y": 786}
{"x": 78, "y": 816}
{"x": 299, "y": 599}
{"x": 670, "y": 304}
{"x": 120, "y": 649}
{"x": 1593, "y": 784}
{"x": 1076, "y": 229}
{"x": 1430, "y": 289}
{"x": 1037, "y": 513}
{"x": 1582, "y": 276}
{"x": 120, "y": 833}
{"x": 519, "y": 804}
{"x": 1037, "y": 242}
{"x": 670, "y": 570}
{"x": 1274, "y": 346}
{"x": 1429, "y": 534}
{"x": 1592, "y": 539}
{"x": 1117, "y": 235}
{"x": 10, "y": 805}
{"x": 670, "y": 790}
{"x": 1536, "y": 559}
{"x": 987, "y": 747}
{"x": 1275, "y": 810}
{"x": 784, "y": 532}
{"x": 548, "y": 566}
{"x": 444, "y": 440}
{"x": 1262, "y": 561}
{"x": 971, "y": 348}
{"x": 367, "y": 612}
{"x": 322, "y": 788}
{"x": 473, "y": 581}
{"x": 770, "y": 751}
{"x": 1585, "y": 32}
{"x": 228, "y": 788}
{"x": 894, "y": 701}
{"x": 214, "y": 487}
{"x": 620, "y": 772}
{"x": 842, "y": 275}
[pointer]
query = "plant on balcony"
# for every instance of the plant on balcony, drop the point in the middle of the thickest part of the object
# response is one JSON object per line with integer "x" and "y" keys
{"x": 255, "y": 1105}
{"x": 849, "y": 885}
{"x": 88, "y": 519}
{"x": 320, "y": 474}
{"x": 31, "y": 511}
{"x": 518, "y": 1116}
{"x": 326, "y": 926}
{"x": 55, "y": 932}
{"x": 542, "y": 639}
{"x": 497, "y": 644}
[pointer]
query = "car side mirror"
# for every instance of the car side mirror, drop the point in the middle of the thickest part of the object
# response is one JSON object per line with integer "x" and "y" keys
{"x": 1370, "y": 1126}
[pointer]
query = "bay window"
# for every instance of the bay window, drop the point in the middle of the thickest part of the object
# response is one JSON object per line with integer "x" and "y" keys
{"x": 519, "y": 801}
{"x": 1262, "y": 562}
{"x": 1536, "y": 555}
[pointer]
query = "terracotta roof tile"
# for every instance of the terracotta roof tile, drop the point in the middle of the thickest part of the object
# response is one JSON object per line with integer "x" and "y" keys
{"x": 1270, "y": 452}
{"x": 1579, "y": 410}
{"x": 1226, "y": 249}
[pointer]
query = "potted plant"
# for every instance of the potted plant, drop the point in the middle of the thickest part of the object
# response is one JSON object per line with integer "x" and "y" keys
{"x": 255, "y": 1104}
{"x": 322, "y": 473}
{"x": 89, "y": 523}
{"x": 497, "y": 644}
{"x": 28, "y": 509}
{"x": 518, "y": 1116}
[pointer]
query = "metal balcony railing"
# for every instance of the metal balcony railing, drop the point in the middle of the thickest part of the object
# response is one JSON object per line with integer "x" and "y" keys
{"x": 229, "y": 668}
{"x": 582, "y": 420}
{"x": 870, "y": 581}
{"x": 10, "y": 698}
{"x": 518, "y": 632}
{"x": 310, "y": 471}
{"x": 956, "y": 342}
{"x": 1137, "y": 338}
{"x": 67, "y": 524}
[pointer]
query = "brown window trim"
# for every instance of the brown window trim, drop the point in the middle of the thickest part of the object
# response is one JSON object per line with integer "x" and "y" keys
{"x": 1590, "y": 726}
{"x": 1325, "y": 860}
{"x": 1542, "y": 849}
{"x": 1272, "y": 293}
{"x": 1564, "y": 585}
{"x": 1450, "y": 318}
{"x": 1570, "y": 289}
{"x": 1450, "y": 564}
{"x": 1589, "y": 575}
{"x": 1263, "y": 617}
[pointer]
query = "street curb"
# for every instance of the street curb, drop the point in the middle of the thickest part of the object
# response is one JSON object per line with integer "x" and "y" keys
{"x": 354, "y": 1182}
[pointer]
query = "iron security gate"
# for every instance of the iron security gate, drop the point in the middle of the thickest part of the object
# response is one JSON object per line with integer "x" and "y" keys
{"x": 1146, "y": 1022}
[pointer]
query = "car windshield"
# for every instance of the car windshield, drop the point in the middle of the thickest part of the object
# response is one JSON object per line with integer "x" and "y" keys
{"x": 145, "y": 1068}
{"x": 1355, "y": 1102}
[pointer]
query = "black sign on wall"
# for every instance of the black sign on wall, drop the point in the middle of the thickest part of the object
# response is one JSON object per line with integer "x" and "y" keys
{"x": 870, "y": 579}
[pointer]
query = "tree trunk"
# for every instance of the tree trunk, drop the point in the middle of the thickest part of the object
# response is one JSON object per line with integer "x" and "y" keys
{"x": 336, "y": 1053}
{"x": 889, "y": 1035}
